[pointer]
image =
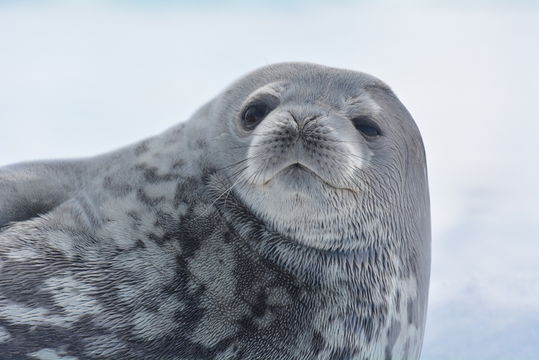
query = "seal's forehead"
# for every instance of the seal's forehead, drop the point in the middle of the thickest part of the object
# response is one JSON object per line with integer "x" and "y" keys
{"x": 313, "y": 76}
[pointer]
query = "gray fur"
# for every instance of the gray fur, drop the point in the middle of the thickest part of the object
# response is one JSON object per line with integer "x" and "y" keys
{"x": 201, "y": 243}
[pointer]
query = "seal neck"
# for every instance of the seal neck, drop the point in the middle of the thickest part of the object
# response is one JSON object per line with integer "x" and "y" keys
{"x": 336, "y": 270}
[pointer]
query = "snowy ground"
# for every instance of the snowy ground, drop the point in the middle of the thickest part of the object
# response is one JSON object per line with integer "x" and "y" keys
{"x": 77, "y": 80}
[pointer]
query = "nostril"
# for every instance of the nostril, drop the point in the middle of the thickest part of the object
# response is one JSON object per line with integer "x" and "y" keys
{"x": 308, "y": 119}
{"x": 301, "y": 121}
{"x": 295, "y": 117}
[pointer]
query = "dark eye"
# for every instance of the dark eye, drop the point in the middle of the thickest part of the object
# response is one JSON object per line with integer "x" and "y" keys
{"x": 253, "y": 115}
{"x": 366, "y": 126}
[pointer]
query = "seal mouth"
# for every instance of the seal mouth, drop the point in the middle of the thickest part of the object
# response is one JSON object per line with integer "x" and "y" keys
{"x": 300, "y": 169}
{"x": 295, "y": 169}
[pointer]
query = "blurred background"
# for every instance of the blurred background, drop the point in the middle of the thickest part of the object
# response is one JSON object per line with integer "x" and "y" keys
{"x": 79, "y": 78}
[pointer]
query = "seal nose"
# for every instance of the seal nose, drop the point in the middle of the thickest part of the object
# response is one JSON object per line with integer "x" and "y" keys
{"x": 302, "y": 119}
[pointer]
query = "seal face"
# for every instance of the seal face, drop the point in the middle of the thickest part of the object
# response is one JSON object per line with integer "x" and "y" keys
{"x": 287, "y": 219}
{"x": 310, "y": 159}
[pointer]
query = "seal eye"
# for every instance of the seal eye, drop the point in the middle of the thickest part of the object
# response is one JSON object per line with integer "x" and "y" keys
{"x": 366, "y": 126}
{"x": 253, "y": 115}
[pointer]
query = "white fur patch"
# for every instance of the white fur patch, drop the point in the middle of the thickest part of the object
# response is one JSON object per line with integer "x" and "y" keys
{"x": 24, "y": 315}
{"x": 4, "y": 335}
{"x": 23, "y": 254}
{"x": 50, "y": 354}
{"x": 72, "y": 296}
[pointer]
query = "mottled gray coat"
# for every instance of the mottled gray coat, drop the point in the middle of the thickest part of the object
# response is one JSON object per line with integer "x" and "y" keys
{"x": 196, "y": 244}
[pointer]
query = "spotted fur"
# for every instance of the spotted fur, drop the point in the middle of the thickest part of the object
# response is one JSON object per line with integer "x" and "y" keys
{"x": 185, "y": 246}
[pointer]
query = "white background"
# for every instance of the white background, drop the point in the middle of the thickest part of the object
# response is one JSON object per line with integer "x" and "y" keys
{"x": 77, "y": 79}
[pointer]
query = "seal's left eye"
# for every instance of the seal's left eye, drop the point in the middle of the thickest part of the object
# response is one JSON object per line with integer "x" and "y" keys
{"x": 253, "y": 115}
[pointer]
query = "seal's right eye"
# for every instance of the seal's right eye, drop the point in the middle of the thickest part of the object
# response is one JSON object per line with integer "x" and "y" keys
{"x": 366, "y": 126}
{"x": 253, "y": 115}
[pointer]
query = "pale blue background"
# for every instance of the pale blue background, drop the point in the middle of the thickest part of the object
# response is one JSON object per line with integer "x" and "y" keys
{"x": 79, "y": 78}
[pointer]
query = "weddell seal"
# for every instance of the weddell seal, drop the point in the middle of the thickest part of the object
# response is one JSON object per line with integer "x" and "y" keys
{"x": 287, "y": 219}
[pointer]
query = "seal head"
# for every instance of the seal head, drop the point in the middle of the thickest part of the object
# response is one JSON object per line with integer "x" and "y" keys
{"x": 323, "y": 157}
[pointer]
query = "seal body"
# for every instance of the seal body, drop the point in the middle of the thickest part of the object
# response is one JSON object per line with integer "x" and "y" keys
{"x": 287, "y": 219}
